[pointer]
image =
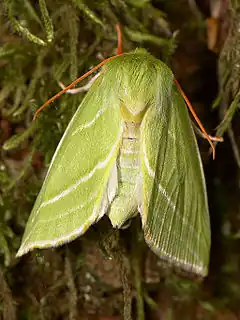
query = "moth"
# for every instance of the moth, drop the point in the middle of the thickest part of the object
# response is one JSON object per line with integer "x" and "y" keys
{"x": 129, "y": 149}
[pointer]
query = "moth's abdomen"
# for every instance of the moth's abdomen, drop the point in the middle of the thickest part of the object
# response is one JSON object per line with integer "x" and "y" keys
{"x": 124, "y": 205}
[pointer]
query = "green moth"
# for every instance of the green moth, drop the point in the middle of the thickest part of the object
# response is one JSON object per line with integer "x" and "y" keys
{"x": 129, "y": 148}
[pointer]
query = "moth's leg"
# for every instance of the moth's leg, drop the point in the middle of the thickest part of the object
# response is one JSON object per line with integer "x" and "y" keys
{"x": 80, "y": 89}
{"x": 84, "y": 88}
{"x": 89, "y": 84}
{"x": 199, "y": 132}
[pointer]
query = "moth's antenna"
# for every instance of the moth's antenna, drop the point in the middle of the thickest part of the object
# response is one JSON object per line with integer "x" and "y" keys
{"x": 209, "y": 138}
{"x": 73, "y": 84}
{"x": 119, "y": 36}
{"x": 119, "y": 53}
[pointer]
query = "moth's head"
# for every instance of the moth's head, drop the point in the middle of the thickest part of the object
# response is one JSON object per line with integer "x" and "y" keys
{"x": 138, "y": 80}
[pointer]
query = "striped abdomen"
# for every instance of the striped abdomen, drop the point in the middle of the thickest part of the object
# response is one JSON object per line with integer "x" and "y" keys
{"x": 124, "y": 204}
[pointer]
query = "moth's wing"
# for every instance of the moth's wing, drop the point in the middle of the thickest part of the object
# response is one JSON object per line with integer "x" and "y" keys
{"x": 73, "y": 195}
{"x": 175, "y": 214}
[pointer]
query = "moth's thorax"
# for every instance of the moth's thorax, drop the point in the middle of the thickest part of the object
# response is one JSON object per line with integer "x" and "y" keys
{"x": 125, "y": 203}
{"x": 133, "y": 115}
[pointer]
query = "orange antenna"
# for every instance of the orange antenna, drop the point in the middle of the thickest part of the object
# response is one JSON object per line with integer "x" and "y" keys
{"x": 72, "y": 85}
{"x": 209, "y": 138}
{"x": 119, "y": 35}
{"x": 119, "y": 52}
